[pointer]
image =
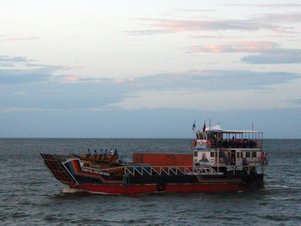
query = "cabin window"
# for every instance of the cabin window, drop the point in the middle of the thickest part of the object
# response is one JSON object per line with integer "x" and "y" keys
{"x": 254, "y": 154}
{"x": 237, "y": 154}
{"x": 212, "y": 154}
{"x": 248, "y": 154}
{"x": 195, "y": 154}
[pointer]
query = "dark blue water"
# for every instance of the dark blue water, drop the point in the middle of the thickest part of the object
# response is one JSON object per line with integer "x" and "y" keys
{"x": 29, "y": 194}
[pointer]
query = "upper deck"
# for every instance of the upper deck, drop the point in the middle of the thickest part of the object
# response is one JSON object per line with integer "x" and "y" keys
{"x": 215, "y": 137}
{"x": 234, "y": 149}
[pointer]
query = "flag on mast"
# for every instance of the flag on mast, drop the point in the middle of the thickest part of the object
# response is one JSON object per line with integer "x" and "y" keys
{"x": 193, "y": 126}
{"x": 204, "y": 126}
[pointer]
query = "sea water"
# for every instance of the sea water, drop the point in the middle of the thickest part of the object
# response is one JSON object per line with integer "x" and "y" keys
{"x": 30, "y": 195}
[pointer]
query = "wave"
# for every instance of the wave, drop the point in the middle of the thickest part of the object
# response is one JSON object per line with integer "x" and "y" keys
{"x": 68, "y": 190}
{"x": 276, "y": 187}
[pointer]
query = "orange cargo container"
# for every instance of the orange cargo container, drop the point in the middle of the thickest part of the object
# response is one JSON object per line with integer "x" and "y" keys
{"x": 159, "y": 159}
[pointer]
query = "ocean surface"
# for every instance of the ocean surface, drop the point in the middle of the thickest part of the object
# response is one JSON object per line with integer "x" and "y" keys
{"x": 30, "y": 195}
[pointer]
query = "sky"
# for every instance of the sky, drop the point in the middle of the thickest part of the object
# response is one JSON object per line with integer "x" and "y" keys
{"x": 149, "y": 69}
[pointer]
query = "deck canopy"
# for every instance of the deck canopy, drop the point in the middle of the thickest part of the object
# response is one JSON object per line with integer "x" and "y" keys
{"x": 217, "y": 136}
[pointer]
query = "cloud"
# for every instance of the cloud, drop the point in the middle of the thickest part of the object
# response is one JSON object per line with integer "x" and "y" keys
{"x": 297, "y": 101}
{"x": 211, "y": 90}
{"x": 290, "y": 17}
{"x": 268, "y": 22}
{"x": 18, "y": 38}
{"x": 291, "y": 5}
{"x": 268, "y": 52}
{"x": 235, "y": 47}
{"x": 214, "y": 80}
{"x": 38, "y": 87}
{"x": 195, "y": 10}
{"x": 217, "y": 36}
{"x": 17, "y": 59}
{"x": 31, "y": 86}
{"x": 271, "y": 22}
{"x": 53, "y": 95}
{"x": 275, "y": 56}
{"x": 8, "y": 110}
{"x": 19, "y": 69}
{"x": 69, "y": 78}
{"x": 146, "y": 32}
{"x": 60, "y": 93}
{"x": 213, "y": 100}
{"x": 176, "y": 26}
{"x": 9, "y": 77}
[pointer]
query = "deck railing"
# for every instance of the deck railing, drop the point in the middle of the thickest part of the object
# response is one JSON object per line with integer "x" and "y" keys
{"x": 167, "y": 170}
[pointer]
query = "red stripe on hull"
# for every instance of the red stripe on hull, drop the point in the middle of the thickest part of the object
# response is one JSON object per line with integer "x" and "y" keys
{"x": 221, "y": 187}
{"x": 120, "y": 189}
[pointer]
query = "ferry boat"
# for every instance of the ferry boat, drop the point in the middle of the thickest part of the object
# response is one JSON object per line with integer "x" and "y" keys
{"x": 219, "y": 161}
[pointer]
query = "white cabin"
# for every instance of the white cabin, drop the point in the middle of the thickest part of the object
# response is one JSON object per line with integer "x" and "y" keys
{"x": 230, "y": 149}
